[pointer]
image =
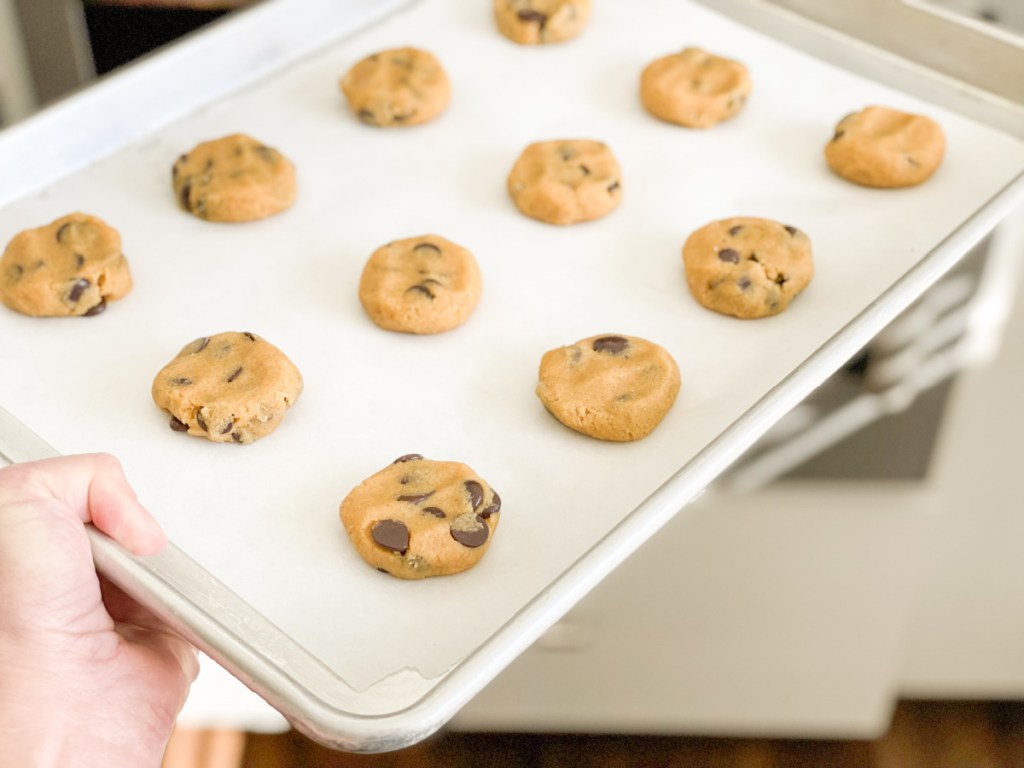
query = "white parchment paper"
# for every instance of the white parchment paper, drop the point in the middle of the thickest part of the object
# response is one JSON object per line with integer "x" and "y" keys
{"x": 263, "y": 518}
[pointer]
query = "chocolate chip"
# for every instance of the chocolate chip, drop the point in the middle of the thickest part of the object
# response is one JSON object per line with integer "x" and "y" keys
{"x": 416, "y": 498}
{"x": 913, "y": 162}
{"x": 838, "y": 135}
{"x": 743, "y": 283}
{"x": 435, "y": 511}
{"x": 178, "y": 425}
{"x": 476, "y": 493}
{"x": 78, "y": 288}
{"x": 529, "y": 16}
{"x": 407, "y": 457}
{"x": 493, "y": 508}
{"x": 469, "y": 532}
{"x": 421, "y": 289}
{"x": 236, "y": 436}
{"x": 586, "y": 171}
{"x": 613, "y": 345}
{"x": 781, "y": 279}
{"x": 201, "y": 421}
{"x": 729, "y": 255}
{"x": 234, "y": 375}
{"x": 614, "y": 185}
{"x": 249, "y": 336}
{"x": 791, "y": 230}
{"x": 266, "y": 154}
{"x": 199, "y": 345}
{"x": 228, "y": 427}
{"x": 181, "y": 381}
{"x": 16, "y": 272}
{"x": 186, "y": 193}
{"x": 63, "y": 230}
{"x": 79, "y": 259}
{"x": 367, "y": 117}
{"x": 391, "y": 534}
{"x": 566, "y": 153}
{"x": 735, "y": 230}
{"x": 429, "y": 246}
{"x": 96, "y": 310}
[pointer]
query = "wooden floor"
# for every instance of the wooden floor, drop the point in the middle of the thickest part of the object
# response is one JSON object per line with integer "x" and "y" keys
{"x": 923, "y": 735}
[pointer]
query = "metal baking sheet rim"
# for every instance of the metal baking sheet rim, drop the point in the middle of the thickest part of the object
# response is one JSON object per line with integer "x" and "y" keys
{"x": 294, "y": 682}
{"x": 256, "y": 651}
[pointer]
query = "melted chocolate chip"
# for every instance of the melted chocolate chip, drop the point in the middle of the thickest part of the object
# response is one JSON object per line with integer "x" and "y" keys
{"x": 236, "y": 436}
{"x": 78, "y": 288}
{"x": 391, "y": 534}
{"x": 407, "y": 457}
{"x": 613, "y": 345}
{"x": 493, "y": 508}
{"x": 421, "y": 288}
{"x": 791, "y": 230}
{"x": 200, "y": 345}
{"x": 729, "y": 255}
{"x": 735, "y": 230}
{"x": 201, "y": 421}
{"x": 181, "y": 381}
{"x": 781, "y": 279}
{"x": 186, "y": 196}
{"x": 435, "y": 511}
{"x": 416, "y": 498}
{"x": 427, "y": 246}
{"x": 614, "y": 185}
{"x": 476, "y": 493}
{"x": 234, "y": 375}
{"x": 586, "y": 171}
{"x": 79, "y": 259}
{"x": 63, "y": 230}
{"x": 96, "y": 310}
{"x": 178, "y": 425}
{"x": 228, "y": 427}
{"x": 531, "y": 16}
{"x": 467, "y": 536}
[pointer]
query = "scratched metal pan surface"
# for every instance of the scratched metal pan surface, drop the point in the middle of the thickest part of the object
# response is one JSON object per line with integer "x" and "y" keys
{"x": 261, "y": 575}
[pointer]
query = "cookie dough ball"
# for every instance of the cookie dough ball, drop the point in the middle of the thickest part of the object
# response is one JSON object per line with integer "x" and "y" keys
{"x": 70, "y": 267}
{"x": 694, "y": 88}
{"x": 420, "y": 285}
{"x": 234, "y": 179}
{"x": 418, "y": 518}
{"x": 610, "y": 387}
{"x": 566, "y": 182}
{"x": 228, "y": 388}
{"x": 400, "y": 87}
{"x": 529, "y": 22}
{"x": 880, "y": 147}
{"x": 747, "y": 267}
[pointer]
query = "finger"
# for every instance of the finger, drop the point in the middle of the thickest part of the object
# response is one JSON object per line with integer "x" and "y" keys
{"x": 92, "y": 487}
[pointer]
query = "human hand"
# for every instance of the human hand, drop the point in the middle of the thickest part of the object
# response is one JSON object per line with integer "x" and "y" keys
{"x": 87, "y": 676}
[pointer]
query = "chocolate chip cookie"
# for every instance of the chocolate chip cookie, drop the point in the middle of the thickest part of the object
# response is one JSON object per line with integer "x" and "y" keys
{"x": 694, "y": 88}
{"x": 228, "y": 388}
{"x": 400, "y": 87}
{"x": 881, "y": 147}
{"x": 747, "y": 267}
{"x": 610, "y": 387}
{"x": 529, "y": 22}
{"x": 420, "y": 285}
{"x": 70, "y": 267}
{"x": 234, "y": 179}
{"x": 566, "y": 182}
{"x": 418, "y": 518}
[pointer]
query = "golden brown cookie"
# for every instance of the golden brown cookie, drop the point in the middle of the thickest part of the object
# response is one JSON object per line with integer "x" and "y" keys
{"x": 400, "y": 87}
{"x": 233, "y": 179}
{"x": 609, "y": 386}
{"x": 566, "y": 182}
{"x": 228, "y": 388}
{"x": 418, "y": 518}
{"x": 70, "y": 267}
{"x": 747, "y": 267}
{"x": 529, "y": 22}
{"x": 694, "y": 88}
{"x": 880, "y": 147}
{"x": 420, "y": 285}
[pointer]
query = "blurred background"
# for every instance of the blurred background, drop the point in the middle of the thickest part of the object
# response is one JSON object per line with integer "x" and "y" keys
{"x": 851, "y": 593}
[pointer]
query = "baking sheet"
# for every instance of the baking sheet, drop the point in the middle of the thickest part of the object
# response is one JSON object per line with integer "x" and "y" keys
{"x": 263, "y": 518}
